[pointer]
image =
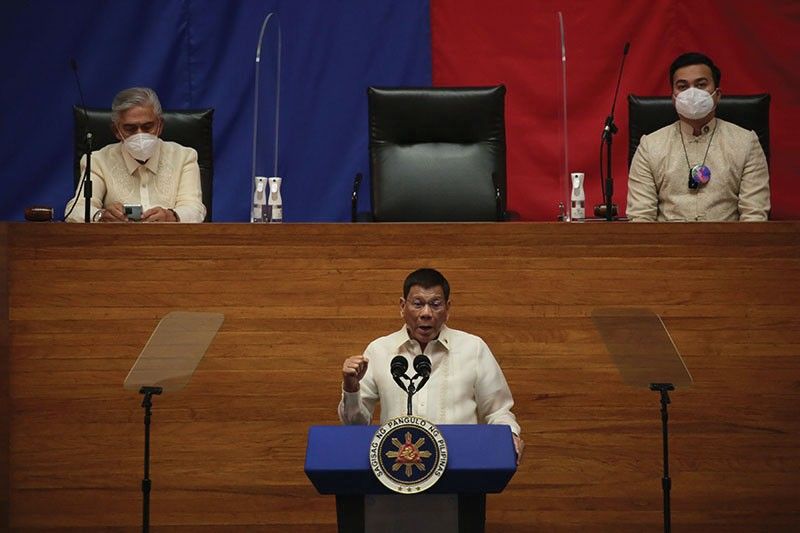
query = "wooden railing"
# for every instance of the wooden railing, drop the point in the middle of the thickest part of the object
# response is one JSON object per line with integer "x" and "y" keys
{"x": 228, "y": 450}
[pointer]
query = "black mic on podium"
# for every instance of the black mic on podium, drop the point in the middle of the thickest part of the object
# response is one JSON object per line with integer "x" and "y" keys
{"x": 422, "y": 365}
{"x": 86, "y": 182}
{"x": 399, "y": 366}
{"x": 608, "y": 210}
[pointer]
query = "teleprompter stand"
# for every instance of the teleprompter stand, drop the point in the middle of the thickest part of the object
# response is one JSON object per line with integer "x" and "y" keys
{"x": 666, "y": 482}
{"x": 147, "y": 403}
{"x": 166, "y": 364}
{"x": 645, "y": 355}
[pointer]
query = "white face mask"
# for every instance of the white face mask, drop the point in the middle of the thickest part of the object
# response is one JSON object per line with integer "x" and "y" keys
{"x": 141, "y": 146}
{"x": 694, "y": 103}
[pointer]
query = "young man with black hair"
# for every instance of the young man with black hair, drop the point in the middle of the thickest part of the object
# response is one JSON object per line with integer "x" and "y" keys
{"x": 699, "y": 168}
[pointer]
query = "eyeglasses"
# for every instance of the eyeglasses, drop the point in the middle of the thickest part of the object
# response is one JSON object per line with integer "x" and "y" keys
{"x": 419, "y": 305}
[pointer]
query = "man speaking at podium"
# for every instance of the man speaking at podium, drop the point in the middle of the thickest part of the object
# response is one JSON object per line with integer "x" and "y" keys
{"x": 466, "y": 385}
{"x": 142, "y": 169}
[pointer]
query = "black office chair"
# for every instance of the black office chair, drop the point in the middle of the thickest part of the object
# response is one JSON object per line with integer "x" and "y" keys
{"x": 192, "y": 128}
{"x": 647, "y": 114}
{"x": 436, "y": 154}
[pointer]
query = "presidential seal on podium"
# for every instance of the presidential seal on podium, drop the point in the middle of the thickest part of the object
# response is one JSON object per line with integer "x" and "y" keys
{"x": 408, "y": 454}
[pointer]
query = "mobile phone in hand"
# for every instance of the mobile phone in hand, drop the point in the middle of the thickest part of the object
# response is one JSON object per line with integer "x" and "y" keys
{"x": 133, "y": 211}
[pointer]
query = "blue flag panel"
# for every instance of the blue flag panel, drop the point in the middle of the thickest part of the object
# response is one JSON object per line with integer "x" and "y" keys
{"x": 201, "y": 53}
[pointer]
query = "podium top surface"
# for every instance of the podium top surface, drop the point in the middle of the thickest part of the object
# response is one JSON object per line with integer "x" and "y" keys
{"x": 481, "y": 459}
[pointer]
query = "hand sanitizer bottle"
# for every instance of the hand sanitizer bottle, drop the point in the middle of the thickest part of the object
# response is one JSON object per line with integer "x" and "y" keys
{"x": 259, "y": 213}
{"x": 578, "y": 208}
{"x": 275, "y": 202}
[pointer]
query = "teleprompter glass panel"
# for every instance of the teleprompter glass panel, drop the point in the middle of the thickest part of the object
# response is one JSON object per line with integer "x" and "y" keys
{"x": 174, "y": 350}
{"x": 641, "y": 347}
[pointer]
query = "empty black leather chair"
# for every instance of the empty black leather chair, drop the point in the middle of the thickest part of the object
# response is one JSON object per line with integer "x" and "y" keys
{"x": 192, "y": 128}
{"x": 436, "y": 154}
{"x": 647, "y": 114}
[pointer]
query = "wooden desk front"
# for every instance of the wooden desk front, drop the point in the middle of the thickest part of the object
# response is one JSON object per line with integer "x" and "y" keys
{"x": 228, "y": 450}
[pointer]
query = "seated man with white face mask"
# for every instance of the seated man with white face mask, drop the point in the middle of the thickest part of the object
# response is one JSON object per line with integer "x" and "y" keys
{"x": 699, "y": 168}
{"x": 163, "y": 177}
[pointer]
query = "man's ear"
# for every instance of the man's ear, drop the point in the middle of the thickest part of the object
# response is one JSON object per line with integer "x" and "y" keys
{"x": 115, "y": 131}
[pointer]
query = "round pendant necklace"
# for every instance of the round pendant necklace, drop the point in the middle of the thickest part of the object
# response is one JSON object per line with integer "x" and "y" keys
{"x": 698, "y": 174}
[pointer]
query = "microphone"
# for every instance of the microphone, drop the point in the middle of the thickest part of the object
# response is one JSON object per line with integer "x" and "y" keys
{"x": 422, "y": 365}
{"x": 354, "y": 197}
{"x": 86, "y": 182}
{"x": 610, "y": 120}
{"x": 399, "y": 366}
{"x": 609, "y": 210}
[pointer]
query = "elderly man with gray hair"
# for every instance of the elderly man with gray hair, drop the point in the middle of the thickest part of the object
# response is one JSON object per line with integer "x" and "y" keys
{"x": 163, "y": 177}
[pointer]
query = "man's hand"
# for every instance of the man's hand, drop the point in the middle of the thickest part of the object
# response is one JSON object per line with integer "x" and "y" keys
{"x": 158, "y": 214}
{"x": 112, "y": 213}
{"x": 353, "y": 370}
{"x": 519, "y": 446}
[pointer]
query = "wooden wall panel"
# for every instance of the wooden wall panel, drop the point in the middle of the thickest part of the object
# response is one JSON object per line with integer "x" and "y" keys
{"x": 5, "y": 401}
{"x": 228, "y": 450}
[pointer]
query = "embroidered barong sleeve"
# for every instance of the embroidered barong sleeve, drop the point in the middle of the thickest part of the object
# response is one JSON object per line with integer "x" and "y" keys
{"x": 642, "y": 203}
{"x": 189, "y": 200}
{"x": 754, "y": 202}
{"x": 357, "y": 407}
{"x": 492, "y": 394}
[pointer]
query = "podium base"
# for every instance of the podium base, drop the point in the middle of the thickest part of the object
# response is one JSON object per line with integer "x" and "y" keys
{"x": 421, "y": 513}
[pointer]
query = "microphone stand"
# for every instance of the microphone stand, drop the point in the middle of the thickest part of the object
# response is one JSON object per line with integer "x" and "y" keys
{"x": 147, "y": 403}
{"x": 609, "y": 130}
{"x": 410, "y": 390}
{"x": 87, "y": 181}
